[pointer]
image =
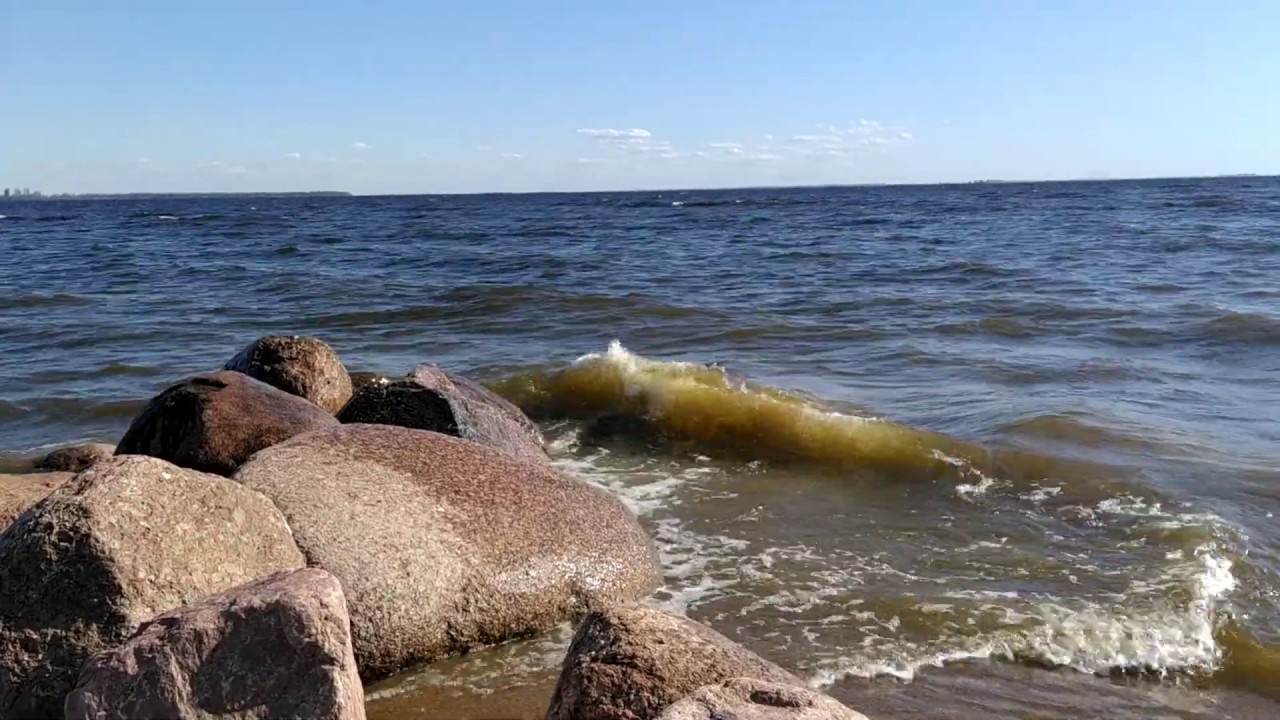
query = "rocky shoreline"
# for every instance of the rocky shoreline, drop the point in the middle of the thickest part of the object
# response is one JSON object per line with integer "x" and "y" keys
{"x": 267, "y": 537}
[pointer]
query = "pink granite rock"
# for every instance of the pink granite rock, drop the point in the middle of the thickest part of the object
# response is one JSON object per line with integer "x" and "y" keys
{"x": 279, "y": 647}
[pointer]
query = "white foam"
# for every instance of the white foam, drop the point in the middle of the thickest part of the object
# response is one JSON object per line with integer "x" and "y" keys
{"x": 1089, "y": 637}
{"x": 1040, "y": 494}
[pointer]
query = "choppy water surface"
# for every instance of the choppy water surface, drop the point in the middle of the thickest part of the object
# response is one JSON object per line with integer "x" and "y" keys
{"x": 950, "y": 452}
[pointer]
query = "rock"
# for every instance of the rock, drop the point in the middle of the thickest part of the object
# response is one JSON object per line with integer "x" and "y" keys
{"x": 631, "y": 663}
{"x": 75, "y": 458}
{"x": 126, "y": 539}
{"x": 302, "y": 366}
{"x": 431, "y": 399}
{"x": 19, "y": 492}
{"x": 279, "y": 647}
{"x": 360, "y": 379}
{"x": 750, "y": 699}
{"x": 213, "y": 423}
{"x": 443, "y": 545}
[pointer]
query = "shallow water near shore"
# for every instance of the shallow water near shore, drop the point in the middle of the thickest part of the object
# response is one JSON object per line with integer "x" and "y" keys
{"x": 947, "y": 452}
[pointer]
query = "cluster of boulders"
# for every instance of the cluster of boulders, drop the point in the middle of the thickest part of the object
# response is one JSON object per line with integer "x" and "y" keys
{"x": 266, "y": 537}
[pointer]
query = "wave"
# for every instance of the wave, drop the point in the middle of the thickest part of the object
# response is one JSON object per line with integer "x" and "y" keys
{"x": 65, "y": 408}
{"x": 1233, "y": 327}
{"x": 721, "y": 202}
{"x": 1175, "y": 626}
{"x": 705, "y": 408}
{"x": 35, "y": 300}
{"x": 38, "y": 218}
{"x": 1077, "y": 430}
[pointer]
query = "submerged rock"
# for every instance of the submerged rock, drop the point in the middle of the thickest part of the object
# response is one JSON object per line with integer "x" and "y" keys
{"x": 299, "y": 365}
{"x": 75, "y": 458}
{"x": 444, "y": 545}
{"x": 631, "y": 663}
{"x": 432, "y": 399}
{"x": 751, "y": 699}
{"x": 213, "y": 423}
{"x": 279, "y": 647}
{"x": 128, "y": 538}
{"x": 19, "y": 492}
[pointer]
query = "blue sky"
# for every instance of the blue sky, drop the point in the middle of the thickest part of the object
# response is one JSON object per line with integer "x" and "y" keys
{"x": 396, "y": 97}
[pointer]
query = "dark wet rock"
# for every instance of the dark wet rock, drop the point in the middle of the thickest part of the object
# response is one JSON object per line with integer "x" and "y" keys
{"x": 751, "y": 699}
{"x": 443, "y": 545}
{"x": 19, "y": 492}
{"x": 279, "y": 647}
{"x": 631, "y": 663}
{"x": 359, "y": 379}
{"x": 432, "y": 399}
{"x": 213, "y": 423}
{"x": 126, "y": 539}
{"x": 302, "y": 366}
{"x": 75, "y": 458}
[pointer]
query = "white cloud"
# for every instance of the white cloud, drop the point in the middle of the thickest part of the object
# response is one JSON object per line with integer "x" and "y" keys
{"x": 591, "y": 161}
{"x": 612, "y": 134}
{"x": 484, "y": 148}
{"x": 904, "y": 135}
{"x": 725, "y": 146}
{"x": 144, "y": 161}
{"x": 768, "y": 137}
{"x": 764, "y": 157}
{"x": 357, "y": 145}
{"x": 293, "y": 156}
{"x": 512, "y": 156}
{"x": 815, "y": 138}
{"x": 227, "y": 168}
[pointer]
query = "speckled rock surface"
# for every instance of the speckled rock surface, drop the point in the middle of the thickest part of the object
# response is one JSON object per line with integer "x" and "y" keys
{"x": 444, "y": 545}
{"x": 126, "y": 539}
{"x": 299, "y": 365}
{"x": 213, "y": 423}
{"x": 75, "y": 458}
{"x": 432, "y": 399}
{"x": 279, "y": 647}
{"x": 750, "y": 699}
{"x": 19, "y": 492}
{"x": 631, "y": 663}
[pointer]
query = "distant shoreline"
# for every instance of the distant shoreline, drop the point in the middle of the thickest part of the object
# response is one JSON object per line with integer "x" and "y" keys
{"x": 346, "y": 194}
{"x": 174, "y": 196}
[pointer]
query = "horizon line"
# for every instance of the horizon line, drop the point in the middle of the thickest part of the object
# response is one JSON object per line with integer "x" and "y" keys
{"x": 347, "y": 193}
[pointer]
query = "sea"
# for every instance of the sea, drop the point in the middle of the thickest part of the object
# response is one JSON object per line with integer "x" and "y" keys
{"x": 948, "y": 452}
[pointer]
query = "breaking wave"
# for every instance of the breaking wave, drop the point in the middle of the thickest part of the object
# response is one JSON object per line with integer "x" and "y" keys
{"x": 704, "y": 408}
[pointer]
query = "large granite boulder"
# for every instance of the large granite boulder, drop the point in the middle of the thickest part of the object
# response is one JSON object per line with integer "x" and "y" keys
{"x": 19, "y": 492}
{"x": 75, "y": 458}
{"x": 443, "y": 545}
{"x": 302, "y": 366}
{"x": 126, "y": 539}
{"x": 432, "y": 399}
{"x": 279, "y": 647}
{"x": 751, "y": 699}
{"x": 213, "y": 423}
{"x": 631, "y": 663}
